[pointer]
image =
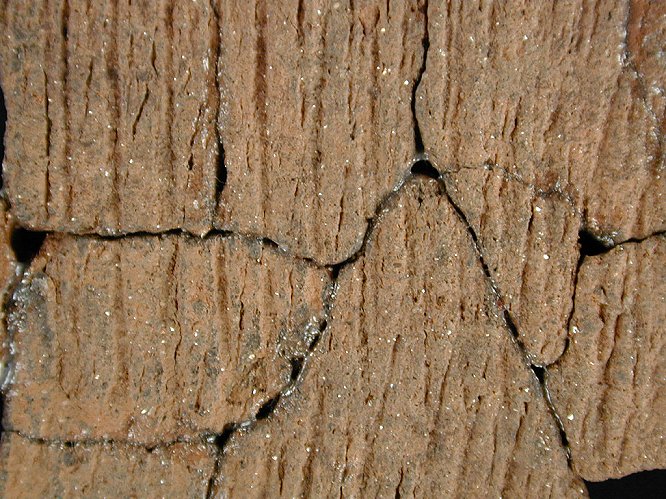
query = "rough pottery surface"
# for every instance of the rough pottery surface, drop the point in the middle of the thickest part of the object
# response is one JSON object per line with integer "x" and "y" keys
{"x": 325, "y": 249}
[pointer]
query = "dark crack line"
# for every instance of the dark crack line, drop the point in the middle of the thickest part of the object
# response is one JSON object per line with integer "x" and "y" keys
{"x": 591, "y": 246}
{"x": 543, "y": 381}
{"x": 221, "y": 440}
{"x": 221, "y": 169}
{"x": 634, "y": 240}
{"x": 606, "y": 240}
{"x": 425, "y": 41}
{"x": 91, "y": 442}
{"x": 588, "y": 245}
{"x": 540, "y": 372}
{"x": 248, "y": 237}
{"x": 423, "y": 167}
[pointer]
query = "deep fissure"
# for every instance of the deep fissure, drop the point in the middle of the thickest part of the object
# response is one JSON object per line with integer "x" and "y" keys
{"x": 424, "y": 168}
{"x": 221, "y": 168}
{"x": 590, "y": 245}
{"x": 220, "y": 441}
{"x": 221, "y": 172}
{"x": 298, "y": 365}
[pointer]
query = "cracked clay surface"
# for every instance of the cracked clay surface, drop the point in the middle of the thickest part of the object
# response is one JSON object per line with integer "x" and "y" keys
{"x": 331, "y": 249}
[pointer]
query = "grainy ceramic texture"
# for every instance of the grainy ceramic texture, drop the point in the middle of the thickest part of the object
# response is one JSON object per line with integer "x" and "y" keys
{"x": 248, "y": 287}
{"x": 153, "y": 339}
{"x": 610, "y": 386}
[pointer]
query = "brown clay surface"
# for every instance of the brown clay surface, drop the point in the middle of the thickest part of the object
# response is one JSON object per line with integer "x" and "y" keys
{"x": 112, "y": 110}
{"x": 246, "y": 291}
{"x": 36, "y": 469}
{"x": 421, "y": 392}
{"x": 548, "y": 94}
{"x": 609, "y": 385}
{"x": 152, "y": 339}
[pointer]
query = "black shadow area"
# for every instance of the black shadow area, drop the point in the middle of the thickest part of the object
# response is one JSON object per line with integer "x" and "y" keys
{"x": 643, "y": 485}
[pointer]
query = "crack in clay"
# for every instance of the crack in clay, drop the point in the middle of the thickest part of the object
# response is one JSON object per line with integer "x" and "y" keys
{"x": 92, "y": 442}
{"x": 221, "y": 440}
{"x": 588, "y": 245}
{"x": 424, "y": 167}
{"x": 607, "y": 239}
{"x": 591, "y": 246}
{"x": 539, "y": 372}
{"x": 421, "y": 167}
{"x": 418, "y": 169}
{"x": 543, "y": 381}
{"x": 299, "y": 365}
{"x": 221, "y": 170}
{"x": 297, "y": 362}
{"x": 425, "y": 41}
{"x": 634, "y": 240}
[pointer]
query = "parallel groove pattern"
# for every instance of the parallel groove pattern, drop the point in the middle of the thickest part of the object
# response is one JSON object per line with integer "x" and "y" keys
{"x": 529, "y": 240}
{"x": 122, "y": 92}
{"x": 609, "y": 387}
{"x": 73, "y": 471}
{"x": 204, "y": 363}
{"x": 548, "y": 94}
{"x": 359, "y": 424}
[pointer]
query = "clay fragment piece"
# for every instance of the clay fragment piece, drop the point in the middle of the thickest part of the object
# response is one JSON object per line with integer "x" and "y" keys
{"x": 112, "y": 109}
{"x": 152, "y": 339}
{"x": 417, "y": 389}
{"x": 529, "y": 241}
{"x": 545, "y": 91}
{"x": 609, "y": 388}
{"x": 39, "y": 469}
{"x": 134, "y": 117}
{"x": 316, "y": 122}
